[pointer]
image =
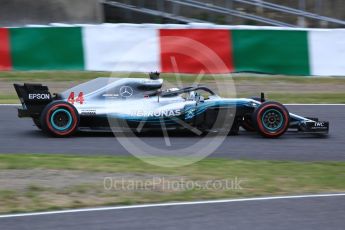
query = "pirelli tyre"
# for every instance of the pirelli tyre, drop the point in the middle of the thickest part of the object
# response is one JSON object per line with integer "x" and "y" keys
{"x": 271, "y": 119}
{"x": 60, "y": 119}
{"x": 37, "y": 122}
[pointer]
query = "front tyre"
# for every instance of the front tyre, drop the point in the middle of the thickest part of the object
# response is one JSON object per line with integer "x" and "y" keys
{"x": 60, "y": 119}
{"x": 271, "y": 119}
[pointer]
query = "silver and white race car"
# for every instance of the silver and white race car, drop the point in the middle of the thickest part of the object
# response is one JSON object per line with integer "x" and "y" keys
{"x": 138, "y": 104}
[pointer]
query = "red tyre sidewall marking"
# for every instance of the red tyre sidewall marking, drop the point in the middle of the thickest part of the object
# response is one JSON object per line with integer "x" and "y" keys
{"x": 71, "y": 110}
{"x": 261, "y": 126}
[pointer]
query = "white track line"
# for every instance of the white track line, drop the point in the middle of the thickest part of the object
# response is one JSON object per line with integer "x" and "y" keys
{"x": 316, "y": 104}
{"x": 10, "y": 104}
{"x": 170, "y": 204}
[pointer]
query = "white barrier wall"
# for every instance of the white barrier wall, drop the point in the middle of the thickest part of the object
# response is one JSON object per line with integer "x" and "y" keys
{"x": 192, "y": 48}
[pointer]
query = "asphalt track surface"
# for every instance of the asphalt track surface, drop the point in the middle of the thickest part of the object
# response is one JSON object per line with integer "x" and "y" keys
{"x": 317, "y": 213}
{"x": 21, "y": 136}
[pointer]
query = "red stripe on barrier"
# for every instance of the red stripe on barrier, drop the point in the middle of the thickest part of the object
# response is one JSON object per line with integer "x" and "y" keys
{"x": 195, "y": 51}
{"x": 5, "y": 56}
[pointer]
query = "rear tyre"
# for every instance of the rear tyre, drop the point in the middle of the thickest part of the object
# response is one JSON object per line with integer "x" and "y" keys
{"x": 60, "y": 119}
{"x": 37, "y": 122}
{"x": 271, "y": 119}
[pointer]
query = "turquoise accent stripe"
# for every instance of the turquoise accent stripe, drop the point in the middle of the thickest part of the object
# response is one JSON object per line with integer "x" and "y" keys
{"x": 280, "y": 123}
{"x": 64, "y": 127}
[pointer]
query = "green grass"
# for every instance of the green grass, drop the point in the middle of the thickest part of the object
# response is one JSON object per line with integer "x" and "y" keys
{"x": 9, "y": 99}
{"x": 258, "y": 178}
{"x": 59, "y": 76}
{"x": 249, "y": 84}
{"x": 304, "y": 98}
{"x": 50, "y": 75}
{"x": 87, "y": 75}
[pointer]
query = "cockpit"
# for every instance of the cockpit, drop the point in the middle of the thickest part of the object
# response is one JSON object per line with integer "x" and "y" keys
{"x": 134, "y": 88}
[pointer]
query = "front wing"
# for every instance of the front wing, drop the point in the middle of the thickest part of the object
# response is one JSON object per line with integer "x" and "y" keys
{"x": 321, "y": 127}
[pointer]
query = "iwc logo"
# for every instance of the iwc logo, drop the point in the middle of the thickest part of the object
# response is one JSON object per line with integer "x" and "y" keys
{"x": 126, "y": 91}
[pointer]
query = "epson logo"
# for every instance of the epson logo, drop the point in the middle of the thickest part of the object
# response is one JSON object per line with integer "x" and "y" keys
{"x": 38, "y": 96}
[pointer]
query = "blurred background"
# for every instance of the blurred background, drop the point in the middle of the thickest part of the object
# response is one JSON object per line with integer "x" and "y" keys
{"x": 51, "y": 42}
{"x": 301, "y": 13}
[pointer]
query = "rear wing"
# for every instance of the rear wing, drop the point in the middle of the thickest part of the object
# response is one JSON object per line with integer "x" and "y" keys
{"x": 33, "y": 97}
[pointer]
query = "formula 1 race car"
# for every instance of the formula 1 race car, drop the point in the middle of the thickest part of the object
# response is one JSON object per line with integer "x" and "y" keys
{"x": 140, "y": 104}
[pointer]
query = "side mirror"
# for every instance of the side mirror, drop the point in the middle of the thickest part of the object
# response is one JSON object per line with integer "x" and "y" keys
{"x": 154, "y": 75}
{"x": 262, "y": 97}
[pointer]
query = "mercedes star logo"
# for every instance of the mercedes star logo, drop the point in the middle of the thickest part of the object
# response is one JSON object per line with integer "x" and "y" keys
{"x": 126, "y": 91}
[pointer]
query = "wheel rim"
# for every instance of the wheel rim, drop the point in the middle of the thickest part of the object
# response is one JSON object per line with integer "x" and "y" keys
{"x": 272, "y": 120}
{"x": 61, "y": 119}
